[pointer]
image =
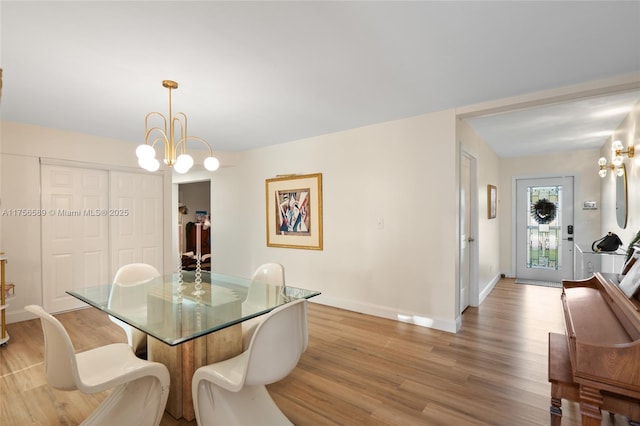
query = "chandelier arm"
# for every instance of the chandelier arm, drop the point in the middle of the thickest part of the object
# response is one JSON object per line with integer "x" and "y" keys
{"x": 196, "y": 138}
{"x": 183, "y": 142}
{"x": 160, "y": 130}
{"x": 161, "y": 138}
{"x": 181, "y": 119}
{"x": 157, "y": 129}
{"x": 154, "y": 114}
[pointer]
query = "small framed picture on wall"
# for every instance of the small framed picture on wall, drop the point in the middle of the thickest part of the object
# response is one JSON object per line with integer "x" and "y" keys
{"x": 492, "y": 201}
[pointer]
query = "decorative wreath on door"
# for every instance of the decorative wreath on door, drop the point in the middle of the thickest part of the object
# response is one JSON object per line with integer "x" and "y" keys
{"x": 543, "y": 211}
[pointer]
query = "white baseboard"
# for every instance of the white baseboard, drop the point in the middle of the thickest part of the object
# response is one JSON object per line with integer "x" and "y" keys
{"x": 17, "y": 316}
{"x": 488, "y": 288}
{"x": 386, "y": 312}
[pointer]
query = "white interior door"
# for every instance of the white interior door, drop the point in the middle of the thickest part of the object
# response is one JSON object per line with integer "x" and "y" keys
{"x": 544, "y": 229}
{"x": 136, "y": 222}
{"x": 465, "y": 233}
{"x": 75, "y": 240}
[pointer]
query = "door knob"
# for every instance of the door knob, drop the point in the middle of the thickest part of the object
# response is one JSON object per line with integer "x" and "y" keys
{"x": 471, "y": 239}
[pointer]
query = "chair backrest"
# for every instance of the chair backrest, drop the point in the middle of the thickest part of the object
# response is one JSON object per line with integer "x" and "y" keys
{"x": 277, "y": 343}
{"x": 269, "y": 273}
{"x": 135, "y": 273}
{"x": 267, "y": 282}
{"x": 129, "y": 276}
{"x": 61, "y": 369}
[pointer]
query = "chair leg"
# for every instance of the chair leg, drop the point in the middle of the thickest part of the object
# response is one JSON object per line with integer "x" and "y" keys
{"x": 251, "y": 405}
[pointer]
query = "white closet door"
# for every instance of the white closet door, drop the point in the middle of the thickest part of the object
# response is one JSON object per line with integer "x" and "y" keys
{"x": 75, "y": 238}
{"x": 136, "y": 223}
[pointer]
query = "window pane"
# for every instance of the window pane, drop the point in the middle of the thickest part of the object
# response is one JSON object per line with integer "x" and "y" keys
{"x": 544, "y": 227}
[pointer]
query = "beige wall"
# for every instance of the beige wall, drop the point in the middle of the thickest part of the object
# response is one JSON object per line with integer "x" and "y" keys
{"x": 401, "y": 172}
{"x": 629, "y": 134}
{"x": 20, "y": 235}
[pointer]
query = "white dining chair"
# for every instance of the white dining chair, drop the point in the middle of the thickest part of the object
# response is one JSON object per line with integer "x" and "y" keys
{"x": 267, "y": 285}
{"x": 139, "y": 388}
{"x": 124, "y": 297}
{"x": 233, "y": 392}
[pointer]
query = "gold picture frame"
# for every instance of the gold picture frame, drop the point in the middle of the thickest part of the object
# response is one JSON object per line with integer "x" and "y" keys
{"x": 492, "y": 201}
{"x": 294, "y": 211}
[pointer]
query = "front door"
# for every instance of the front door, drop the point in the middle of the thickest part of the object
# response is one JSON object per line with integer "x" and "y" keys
{"x": 544, "y": 229}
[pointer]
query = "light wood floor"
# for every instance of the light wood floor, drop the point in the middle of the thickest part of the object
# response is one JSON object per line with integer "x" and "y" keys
{"x": 358, "y": 369}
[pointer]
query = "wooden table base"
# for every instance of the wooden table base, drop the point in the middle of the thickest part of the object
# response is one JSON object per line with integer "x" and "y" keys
{"x": 184, "y": 359}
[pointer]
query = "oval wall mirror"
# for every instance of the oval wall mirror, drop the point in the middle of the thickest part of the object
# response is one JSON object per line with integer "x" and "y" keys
{"x": 621, "y": 198}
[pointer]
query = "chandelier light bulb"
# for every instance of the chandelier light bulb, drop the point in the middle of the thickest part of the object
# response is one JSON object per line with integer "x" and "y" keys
{"x": 602, "y": 161}
{"x": 154, "y": 165}
{"x": 211, "y": 163}
{"x": 180, "y": 168}
{"x": 185, "y": 160}
{"x": 616, "y": 146}
{"x": 619, "y": 171}
{"x": 602, "y": 173}
{"x": 145, "y": 151}
{"x": 183, "y": 163}
{"x": 150, "y": 164}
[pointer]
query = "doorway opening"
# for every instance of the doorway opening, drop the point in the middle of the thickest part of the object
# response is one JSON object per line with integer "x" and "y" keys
{"x": 194, "y": 223}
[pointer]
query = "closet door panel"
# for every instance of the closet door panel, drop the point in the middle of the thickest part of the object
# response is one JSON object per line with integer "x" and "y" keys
{"x": 136, "y": 228}
{"x": 75, "y": 239}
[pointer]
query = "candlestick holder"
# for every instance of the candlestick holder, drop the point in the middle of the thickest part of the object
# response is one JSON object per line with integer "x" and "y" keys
{"x": 198, "y": 312}
{"x": 180, "y": 284}
{"x": 198, "y": 281}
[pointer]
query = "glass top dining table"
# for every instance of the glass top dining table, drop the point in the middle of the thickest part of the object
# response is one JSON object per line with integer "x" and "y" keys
{"x": 173, "y": 314}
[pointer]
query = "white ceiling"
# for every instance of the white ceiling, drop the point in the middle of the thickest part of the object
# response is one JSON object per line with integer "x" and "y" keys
{"x": 566, "y": 126}
{"x": 259, "y": 73}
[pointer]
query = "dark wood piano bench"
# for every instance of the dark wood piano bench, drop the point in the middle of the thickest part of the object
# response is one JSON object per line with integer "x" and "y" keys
{"x": 563, "y": 386}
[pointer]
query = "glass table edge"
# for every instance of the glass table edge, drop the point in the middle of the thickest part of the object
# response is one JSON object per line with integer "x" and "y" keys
{"x": 175, "y": 342}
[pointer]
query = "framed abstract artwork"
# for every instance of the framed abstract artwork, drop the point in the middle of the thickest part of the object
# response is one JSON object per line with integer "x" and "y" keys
{"x": 294, "y": 211}
{"x": 492, "y": 201}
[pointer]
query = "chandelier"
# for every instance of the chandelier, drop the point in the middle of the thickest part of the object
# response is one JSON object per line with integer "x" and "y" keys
{"x": 174, "y": 138}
